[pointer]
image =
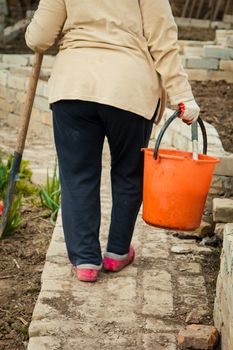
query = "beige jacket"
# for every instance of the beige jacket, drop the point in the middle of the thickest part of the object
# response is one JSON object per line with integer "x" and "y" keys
{"x": 114, "y": 52}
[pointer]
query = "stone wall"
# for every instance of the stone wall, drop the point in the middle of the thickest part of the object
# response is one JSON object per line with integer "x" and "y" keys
{"x": 14, "y": 78}
{"x": 211, "y": 60}
{"x": 223, "y": 309}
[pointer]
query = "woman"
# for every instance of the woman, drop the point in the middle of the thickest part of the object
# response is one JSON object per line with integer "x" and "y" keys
{"x": 114, "y": 56}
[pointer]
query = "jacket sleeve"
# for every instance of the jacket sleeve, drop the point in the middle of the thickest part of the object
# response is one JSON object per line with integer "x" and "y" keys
{"x": 46, "y": 24}
{"x": 160, "y": 31}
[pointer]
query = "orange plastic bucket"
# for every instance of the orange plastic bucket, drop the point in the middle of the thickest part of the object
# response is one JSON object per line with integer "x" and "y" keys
{"x": 175, "y": 188}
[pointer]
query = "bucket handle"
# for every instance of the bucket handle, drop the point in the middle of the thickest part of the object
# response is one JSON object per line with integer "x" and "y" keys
{"x": 194, "y": 133}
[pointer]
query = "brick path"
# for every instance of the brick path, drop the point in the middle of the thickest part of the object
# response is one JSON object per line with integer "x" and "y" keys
{"x": 140, "y": 308}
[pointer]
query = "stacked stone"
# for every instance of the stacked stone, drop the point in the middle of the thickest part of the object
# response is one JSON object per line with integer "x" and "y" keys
{"x": 222, "y": 214}
{"x": 209, "y": 60}
{"x": 223, "y": 308}
{"x": 14, "y": 78}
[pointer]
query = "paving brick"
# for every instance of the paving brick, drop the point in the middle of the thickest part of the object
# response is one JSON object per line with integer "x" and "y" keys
{"x": 20, "y": 60}
{"x": 220, "y": 25}
{"x": 193, "y": 284}
{"x": 195, "y": 316}
{"x": 221, "y": 75}
{"x": 220, "y": 52}
{"x": 3, "y": 78}
{"x": 223, "y": 210}
{"x": 41, "y": 103}
{"x": 157, "y": 303}
{"x": 202, "y": 63}
{"x": 228, "y": 18}
{"x": 225, "y": 167}
{"x": 198, "y": 337}
{"x": 191, "y": 22}
{"x": 226, "y": 65}
{"x": 48, "y": 61}
{"x": 46, "y": 118}
{"x": 229, "y": 41}
{"x": 157, "y": 326}
{"x": 190, "y": 51}
{"x": 41, "y": 89}
{"x": 3, "y": 92}
{"x": 197, "y": 74}
{"x": 5, "y": 106}
{"x": 122, "y": 289}
{"x": 189, "y": 302}
{"x": 221, "y": 35}
{"x": 16, "y": 82}
{"x": 13, "y": 120}
{"x": 161, "y": 341}
{"x": 151, "y": 250}
{"x": 160, "y": 280}
{"x": 191, "y": 268}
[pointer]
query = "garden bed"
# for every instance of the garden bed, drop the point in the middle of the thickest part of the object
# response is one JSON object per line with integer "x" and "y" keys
{"x": 22, "y": 257}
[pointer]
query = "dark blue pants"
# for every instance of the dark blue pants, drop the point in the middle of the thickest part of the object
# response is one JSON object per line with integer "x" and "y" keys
{"x": 79, "y": 129}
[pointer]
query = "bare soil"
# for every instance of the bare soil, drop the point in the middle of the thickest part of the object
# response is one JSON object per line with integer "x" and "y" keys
{"x": 22, "y": 257}
{"x": 216, "y": 102}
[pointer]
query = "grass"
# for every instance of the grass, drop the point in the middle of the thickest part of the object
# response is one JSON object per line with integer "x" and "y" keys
{"x": 47, "y": 196}
{"x": 23, "y": 188}
{"x": 50, "y": 194}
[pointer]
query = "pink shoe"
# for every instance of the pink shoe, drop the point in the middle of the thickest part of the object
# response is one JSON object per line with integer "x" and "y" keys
{"x": 87, "y": 275}
{"x": 111, "y": 261}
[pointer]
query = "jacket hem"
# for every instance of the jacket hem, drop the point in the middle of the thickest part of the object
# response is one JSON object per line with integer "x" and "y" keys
{"x": 104, "y": 101}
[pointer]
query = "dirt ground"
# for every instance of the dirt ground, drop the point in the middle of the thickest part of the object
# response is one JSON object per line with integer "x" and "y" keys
{"x": 216, "y": 103}
{"x": 22, "y": 258}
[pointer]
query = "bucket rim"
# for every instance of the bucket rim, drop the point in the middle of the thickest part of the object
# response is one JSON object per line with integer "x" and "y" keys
{"x": 213, "y": 160}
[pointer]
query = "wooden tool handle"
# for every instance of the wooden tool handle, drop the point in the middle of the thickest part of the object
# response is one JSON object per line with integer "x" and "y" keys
{"x": 27, "y": 108}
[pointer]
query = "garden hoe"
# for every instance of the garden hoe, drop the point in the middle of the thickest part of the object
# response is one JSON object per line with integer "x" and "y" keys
{"x": 24, "y": 123}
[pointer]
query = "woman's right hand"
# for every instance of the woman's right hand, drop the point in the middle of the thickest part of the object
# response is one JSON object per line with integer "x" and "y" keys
{"x": 189, "y": 111}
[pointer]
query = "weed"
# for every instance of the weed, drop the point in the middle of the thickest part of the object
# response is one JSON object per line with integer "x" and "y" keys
{"x": 24, "y": 187}
{"x": 50, "y": 194}
{"x": 23, "y": 183}
{"x": 14, "y": 219}
{"x": 23, "y": 330}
